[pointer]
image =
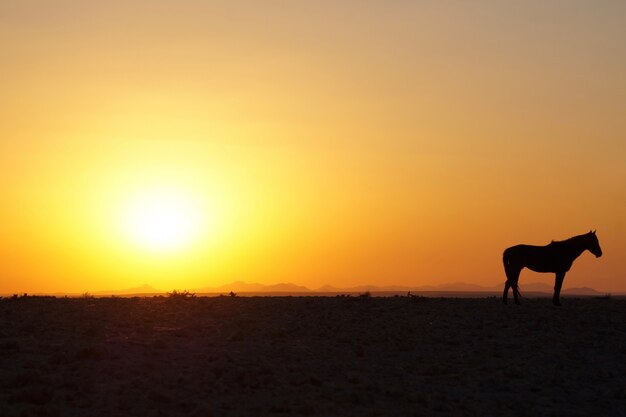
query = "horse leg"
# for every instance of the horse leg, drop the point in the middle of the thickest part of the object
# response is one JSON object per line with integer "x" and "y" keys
{"x": 558, "y": 282}
{"x": 512, "y": 276}
{"x": 507, "y": 285}
{"x": 508, "y": 270}
{"x": 516, "y": 296}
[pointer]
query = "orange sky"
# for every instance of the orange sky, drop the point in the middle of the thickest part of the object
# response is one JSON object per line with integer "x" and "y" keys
{"x": 318, "y": 142}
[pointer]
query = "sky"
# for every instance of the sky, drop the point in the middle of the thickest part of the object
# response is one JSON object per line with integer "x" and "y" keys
{"x": 186, "y": 144}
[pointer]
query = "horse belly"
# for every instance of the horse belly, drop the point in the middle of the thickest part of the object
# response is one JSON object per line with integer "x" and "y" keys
{"x": 547, "y": 265}
{"x": 541, "y": 267}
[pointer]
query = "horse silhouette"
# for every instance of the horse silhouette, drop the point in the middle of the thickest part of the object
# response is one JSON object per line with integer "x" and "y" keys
{"x": 556, "y": 257}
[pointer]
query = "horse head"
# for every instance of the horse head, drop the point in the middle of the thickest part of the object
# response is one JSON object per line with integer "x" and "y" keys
{"x": 593, "y": 245}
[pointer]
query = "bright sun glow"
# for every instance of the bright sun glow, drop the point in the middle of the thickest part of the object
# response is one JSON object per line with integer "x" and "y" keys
{"x": 163, "y": 220}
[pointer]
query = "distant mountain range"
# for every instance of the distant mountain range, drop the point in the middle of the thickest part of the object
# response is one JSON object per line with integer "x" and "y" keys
{"x": 289, "y": 288}
{"x": 240, "y": 286}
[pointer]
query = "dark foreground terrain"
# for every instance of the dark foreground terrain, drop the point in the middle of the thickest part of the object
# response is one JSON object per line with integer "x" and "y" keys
{"x": 320, "y": 356}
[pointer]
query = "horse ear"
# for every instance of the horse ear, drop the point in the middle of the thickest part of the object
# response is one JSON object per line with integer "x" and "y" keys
{"x": 594, "y": 232}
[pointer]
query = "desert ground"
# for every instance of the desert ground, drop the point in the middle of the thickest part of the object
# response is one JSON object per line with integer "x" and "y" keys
{"x": 317, "y": 356}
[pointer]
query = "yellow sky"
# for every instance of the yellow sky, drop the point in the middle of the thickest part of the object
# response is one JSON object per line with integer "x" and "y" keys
{"x": 319, "y": 142}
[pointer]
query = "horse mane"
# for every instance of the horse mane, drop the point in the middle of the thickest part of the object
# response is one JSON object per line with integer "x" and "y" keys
{"x": 574, "y": 241}
{"x": 571, "y": 239}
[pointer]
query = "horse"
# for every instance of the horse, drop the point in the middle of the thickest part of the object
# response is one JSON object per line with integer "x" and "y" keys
{"x": 556, "y": 257}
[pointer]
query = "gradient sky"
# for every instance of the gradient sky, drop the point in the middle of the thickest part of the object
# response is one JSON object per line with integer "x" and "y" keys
{"x": 323, "y": 142}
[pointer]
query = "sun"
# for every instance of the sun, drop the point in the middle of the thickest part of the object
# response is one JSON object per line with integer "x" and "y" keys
{"x": 162, "y": 219}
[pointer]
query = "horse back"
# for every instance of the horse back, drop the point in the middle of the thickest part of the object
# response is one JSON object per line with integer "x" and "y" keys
{"x": 537, "y": 258}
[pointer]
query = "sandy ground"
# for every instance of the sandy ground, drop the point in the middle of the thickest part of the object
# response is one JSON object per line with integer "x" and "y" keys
{"x": 292, "y": 356}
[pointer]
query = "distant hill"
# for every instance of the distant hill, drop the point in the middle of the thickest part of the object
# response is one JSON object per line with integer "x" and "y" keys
{"x": 144, "y": 289}
{"x": 582, "y": 291}
{"x": 240, "y": 286}
{"x": 456, "y": 287}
